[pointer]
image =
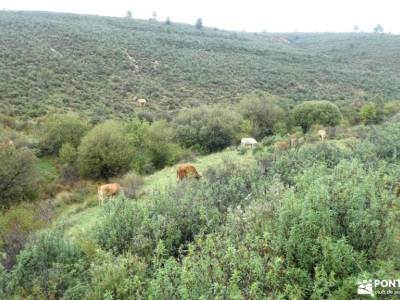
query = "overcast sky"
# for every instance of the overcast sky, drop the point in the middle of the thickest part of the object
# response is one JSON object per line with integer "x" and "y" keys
{"x": 249, "y": 15}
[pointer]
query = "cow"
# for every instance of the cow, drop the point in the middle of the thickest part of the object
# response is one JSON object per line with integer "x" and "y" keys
{"x": 248, "y": 142}
{"x": 141, "y": 102}
{"x": 7, "y": 144}
{"x": 282, "y": 145}
{"x": 108, "y": 190}
{"x": 322, "y": 134}
{"x": 187, "y": 170}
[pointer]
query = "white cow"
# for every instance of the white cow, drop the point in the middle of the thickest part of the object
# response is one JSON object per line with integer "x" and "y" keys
{"x": 322, "y": 134}
{"x": 248, "y": 142}
{"x": 141, "y": 102}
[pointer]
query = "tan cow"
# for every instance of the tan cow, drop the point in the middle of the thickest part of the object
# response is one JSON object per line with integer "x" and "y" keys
{"x": 187, "y": 170}
{"x": 7, "y": 144}
{"x": 141, "y": 102}
{"x": 282, "y": 145}
{"x": 108, "y": 190}
{"x": 322, "y": 134}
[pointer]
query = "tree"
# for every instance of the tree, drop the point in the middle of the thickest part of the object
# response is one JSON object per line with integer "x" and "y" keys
{"x": 262, "y": 111}
{"x": 18, "y": 176}
{"x": 60, "y": 129}
{"x": 129, "y": 14}
{"x": 378, "y": 28}
{"x": 316, "y": 112}
{"x": 104, "y": 152}
{"x": 168, "y": 21}
{"x": 199, "y": 23}
{"x": 68, "y": 154}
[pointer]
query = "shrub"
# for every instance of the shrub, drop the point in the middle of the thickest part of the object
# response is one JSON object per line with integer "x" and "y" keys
{"x": 121, "y": 277}
{"x": 316, "y": 112}
{"x": 208, "y": 129}
{"x": 18, "y": 175}
{"x": 68, "y": 154}
{"x": 131, "y": 183}
{"x": 104, "y": 151}
{"x": 60, "y": 129}
{"x": 16, "y": 225}
{"x": 264, "y": 113}
{"x": 369, "y": 114}
{"x": 153, "y": 145}
{"x": 50, "y": 266}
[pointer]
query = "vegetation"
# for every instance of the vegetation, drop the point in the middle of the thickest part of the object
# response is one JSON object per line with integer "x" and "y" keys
{"x": 306, "y": 222}
{"x": 98, "y": 66}
{"x": 316, "y": 112}
{"x": 60, "y": 129}
{"x": 104, "y": 151}
{"x": 18, "y": 180}
{"x": 208, "y": 128}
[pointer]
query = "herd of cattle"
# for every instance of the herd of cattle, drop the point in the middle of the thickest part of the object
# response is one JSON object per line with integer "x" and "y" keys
{"x": 190, "y": 171}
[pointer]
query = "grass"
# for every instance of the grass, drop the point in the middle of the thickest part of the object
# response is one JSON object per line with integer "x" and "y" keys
{"x": 47, "y": 169}
{"x": 79, "y": 218}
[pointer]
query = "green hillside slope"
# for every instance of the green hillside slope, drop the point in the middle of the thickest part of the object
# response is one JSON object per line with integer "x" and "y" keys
{"x": 100, "y": 65}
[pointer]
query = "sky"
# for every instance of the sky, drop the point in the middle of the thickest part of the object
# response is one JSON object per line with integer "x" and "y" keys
{"x": 248, "y": 15}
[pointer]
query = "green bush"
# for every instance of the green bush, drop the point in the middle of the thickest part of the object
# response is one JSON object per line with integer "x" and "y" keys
{"x": 309, "y": 113}
{"x": 153, "y": 145}
{"x": 104, "y": 152}
{"x": 50, "y": 266}
{"x": 59, "y": 129}
{"x": 264, "y": 114}
{"x": 208, "y": 129}
{"x": 121, "y": 277}
{"x": 18, "y": 175}
{"x": 16, "y": 225}
{"x": 68, "y": 154}
{"x": 369, "y": 114}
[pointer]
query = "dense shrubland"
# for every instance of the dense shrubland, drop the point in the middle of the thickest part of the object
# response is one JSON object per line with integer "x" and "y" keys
{"x": 306, "y": 223}
{"x": 98, "y": 65}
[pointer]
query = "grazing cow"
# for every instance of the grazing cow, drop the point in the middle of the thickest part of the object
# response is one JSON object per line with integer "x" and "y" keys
{"x": 248, "y": 142}
{"x": 108, "y": 190}
{"x": 282, "y": 145}
{"x": 322, "y": 134}
{"x": 7, "y": 144}
{"x": 141, "y": 102}
{"x": 186, "y": 171}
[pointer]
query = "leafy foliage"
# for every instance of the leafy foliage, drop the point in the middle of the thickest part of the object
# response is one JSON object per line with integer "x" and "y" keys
{"x": 18, "y": 175}
{"x": 316, "y": 112}
{"x": 60, "y": 129}
{"x": 208, "y": 129}
{"x": 104, "y": 151}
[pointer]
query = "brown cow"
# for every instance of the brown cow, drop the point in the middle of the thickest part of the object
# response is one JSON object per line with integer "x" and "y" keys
{"x": 108, "y": 190}
{"x": 282, "y": 145}
{"x": 7, "y": 144}
{"x": 186, "y": 171}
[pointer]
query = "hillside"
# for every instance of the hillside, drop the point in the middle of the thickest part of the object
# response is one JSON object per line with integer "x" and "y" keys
{"x": 99, "y": 65}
